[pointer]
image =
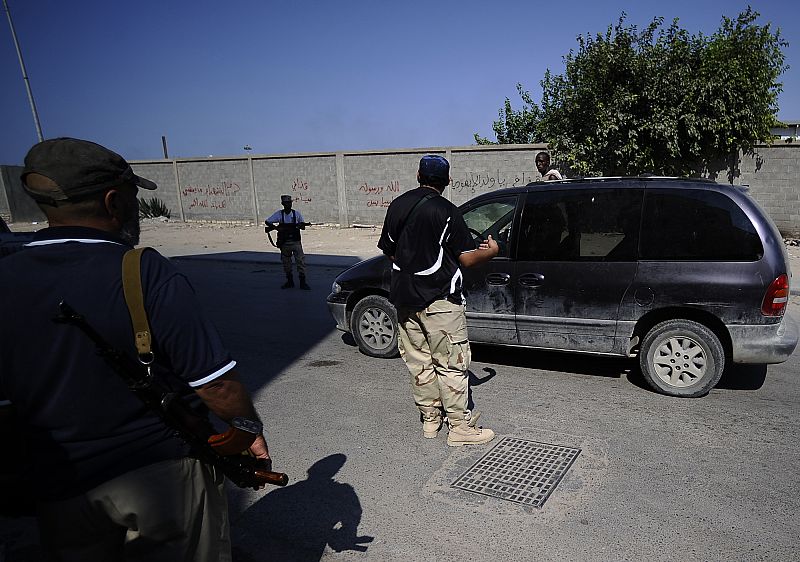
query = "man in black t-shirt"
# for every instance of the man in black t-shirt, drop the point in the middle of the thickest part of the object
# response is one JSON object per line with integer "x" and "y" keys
{"x": 427, "y": 240}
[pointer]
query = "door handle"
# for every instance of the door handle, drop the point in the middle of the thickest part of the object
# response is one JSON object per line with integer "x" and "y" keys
{"x": 498, "y": 279}
{"x": 531, "y": 279}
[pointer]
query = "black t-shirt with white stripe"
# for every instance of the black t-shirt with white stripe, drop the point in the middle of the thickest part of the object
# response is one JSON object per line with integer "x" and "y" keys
{"x": 425, "y": 249}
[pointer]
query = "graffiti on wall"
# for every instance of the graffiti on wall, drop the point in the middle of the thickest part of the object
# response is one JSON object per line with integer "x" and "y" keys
{"x": 477, "y": 182}
{"x": 300, "y": 191}
{"x": 211, "y": 197}
{"x": 469, "y": 183}
{"x": 379, "y": 195}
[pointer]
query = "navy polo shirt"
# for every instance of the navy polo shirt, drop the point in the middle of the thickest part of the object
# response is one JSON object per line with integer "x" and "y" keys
{"x": 82, "y": 424}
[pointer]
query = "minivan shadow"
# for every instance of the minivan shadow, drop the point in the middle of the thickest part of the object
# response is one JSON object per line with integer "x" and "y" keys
{"x": 735, "y": 377}
{"x": 743, "y": 377}
{"x": 612, "y": 367}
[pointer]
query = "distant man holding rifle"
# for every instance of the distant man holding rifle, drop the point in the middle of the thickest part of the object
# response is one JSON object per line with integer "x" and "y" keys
{"x": 289, "y": 222}
{"x": 111, "y": 479}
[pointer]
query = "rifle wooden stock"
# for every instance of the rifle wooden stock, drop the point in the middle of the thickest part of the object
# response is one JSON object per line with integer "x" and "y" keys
{"x": 222, "y": 450}
{"x": 247, "y": 471}
{"x": 269, "y": 477}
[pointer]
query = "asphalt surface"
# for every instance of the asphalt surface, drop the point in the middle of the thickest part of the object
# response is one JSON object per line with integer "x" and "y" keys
{"x": 657, "y": 478}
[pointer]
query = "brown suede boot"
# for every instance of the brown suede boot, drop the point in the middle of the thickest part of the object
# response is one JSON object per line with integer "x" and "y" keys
{"x": 431, "y": 421}
{"x": 466, "y": 432}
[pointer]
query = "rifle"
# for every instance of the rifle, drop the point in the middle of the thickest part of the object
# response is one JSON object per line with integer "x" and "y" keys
{"x": 285, "y": 226}
{"x": 220, "y": 450}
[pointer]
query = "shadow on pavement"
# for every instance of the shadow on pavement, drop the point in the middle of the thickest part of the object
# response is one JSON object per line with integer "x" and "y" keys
{"x": 348, "y": 339}
{"x": 578, "y": 364}
{"x": 297, "y": 522}
{"x": 265, "y": 328}
{"x": 743, "y": 377}
{"x": 735, "y": 377}
{"x": 475, "y": 381}
{"x": 312, "y": 260}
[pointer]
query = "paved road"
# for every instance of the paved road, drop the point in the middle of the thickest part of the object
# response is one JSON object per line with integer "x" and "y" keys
{"x": 657, "y": 478}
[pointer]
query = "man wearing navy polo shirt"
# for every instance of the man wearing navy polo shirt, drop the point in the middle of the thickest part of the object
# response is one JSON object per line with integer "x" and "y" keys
{"x": 111, "y": 481}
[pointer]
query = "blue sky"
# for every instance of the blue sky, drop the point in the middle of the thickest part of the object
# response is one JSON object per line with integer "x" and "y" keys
{"x": 305, "y": 76}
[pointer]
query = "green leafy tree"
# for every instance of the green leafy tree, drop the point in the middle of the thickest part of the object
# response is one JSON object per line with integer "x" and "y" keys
{"x": 658, "y": 99}
{"x": 516, "y": 127}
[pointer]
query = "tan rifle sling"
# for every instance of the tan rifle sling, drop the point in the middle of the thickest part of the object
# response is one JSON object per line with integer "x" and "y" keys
{"x": 134, "y": 298}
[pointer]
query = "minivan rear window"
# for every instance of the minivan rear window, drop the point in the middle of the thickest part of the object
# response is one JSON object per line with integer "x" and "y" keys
{"x": 696, "y": 224}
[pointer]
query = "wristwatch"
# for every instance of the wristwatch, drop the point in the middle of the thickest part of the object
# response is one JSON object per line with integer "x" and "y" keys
{"x": 250, "y": 426}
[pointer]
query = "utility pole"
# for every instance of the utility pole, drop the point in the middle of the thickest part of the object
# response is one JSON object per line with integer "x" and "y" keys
{"x": 24, "y": 74}
{"x": 164, "y": 146}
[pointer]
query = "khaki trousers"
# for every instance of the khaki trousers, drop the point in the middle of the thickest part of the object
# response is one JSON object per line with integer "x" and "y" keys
{"x": 434, "y": 345}
{"x": 167, "y": 511}
{"x": 293, "y": 248}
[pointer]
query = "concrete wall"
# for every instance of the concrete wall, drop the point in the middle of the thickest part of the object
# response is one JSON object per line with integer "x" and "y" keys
{"x": 348, "y": 188}
{"x": 15, "y": 205}
{"x": 335, "y": 188}
{"x": 311, "y": 180}
{"x": 773, "y": 176}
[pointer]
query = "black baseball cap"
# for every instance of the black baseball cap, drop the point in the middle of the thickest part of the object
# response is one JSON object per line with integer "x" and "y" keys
{"x": 434, "y": 166}
{"x": 79, "y": 168}
{"x": 286, "y": 198}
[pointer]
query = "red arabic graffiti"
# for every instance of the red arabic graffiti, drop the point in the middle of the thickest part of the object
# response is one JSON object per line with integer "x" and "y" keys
{"x": 211, "y": 196}
{"x": 391, "y": 187}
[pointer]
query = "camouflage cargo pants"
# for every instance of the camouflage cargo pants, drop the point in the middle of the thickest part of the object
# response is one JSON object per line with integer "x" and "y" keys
{"x": 296, "y": 248}
{"x": 434, "y": 345}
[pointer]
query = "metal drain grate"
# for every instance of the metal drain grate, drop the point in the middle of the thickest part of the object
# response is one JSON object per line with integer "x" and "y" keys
{"x": 519, "y": 470}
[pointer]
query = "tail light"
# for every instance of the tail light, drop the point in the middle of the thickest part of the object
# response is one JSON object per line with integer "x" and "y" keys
{"x": 777, "y": 297}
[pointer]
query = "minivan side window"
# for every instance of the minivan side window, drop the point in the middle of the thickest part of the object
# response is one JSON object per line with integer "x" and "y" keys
{"x": 581, "y": 225}
{"x": 493, "y": 217}
{"x": 695, "y": 224}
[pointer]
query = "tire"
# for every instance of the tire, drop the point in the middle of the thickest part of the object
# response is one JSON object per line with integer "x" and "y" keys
{"x": 374, "y": 327}
{"x": 682, "y": 358}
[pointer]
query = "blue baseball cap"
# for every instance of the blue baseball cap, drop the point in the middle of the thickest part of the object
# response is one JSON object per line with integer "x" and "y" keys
{"x": 434, "y": 166}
